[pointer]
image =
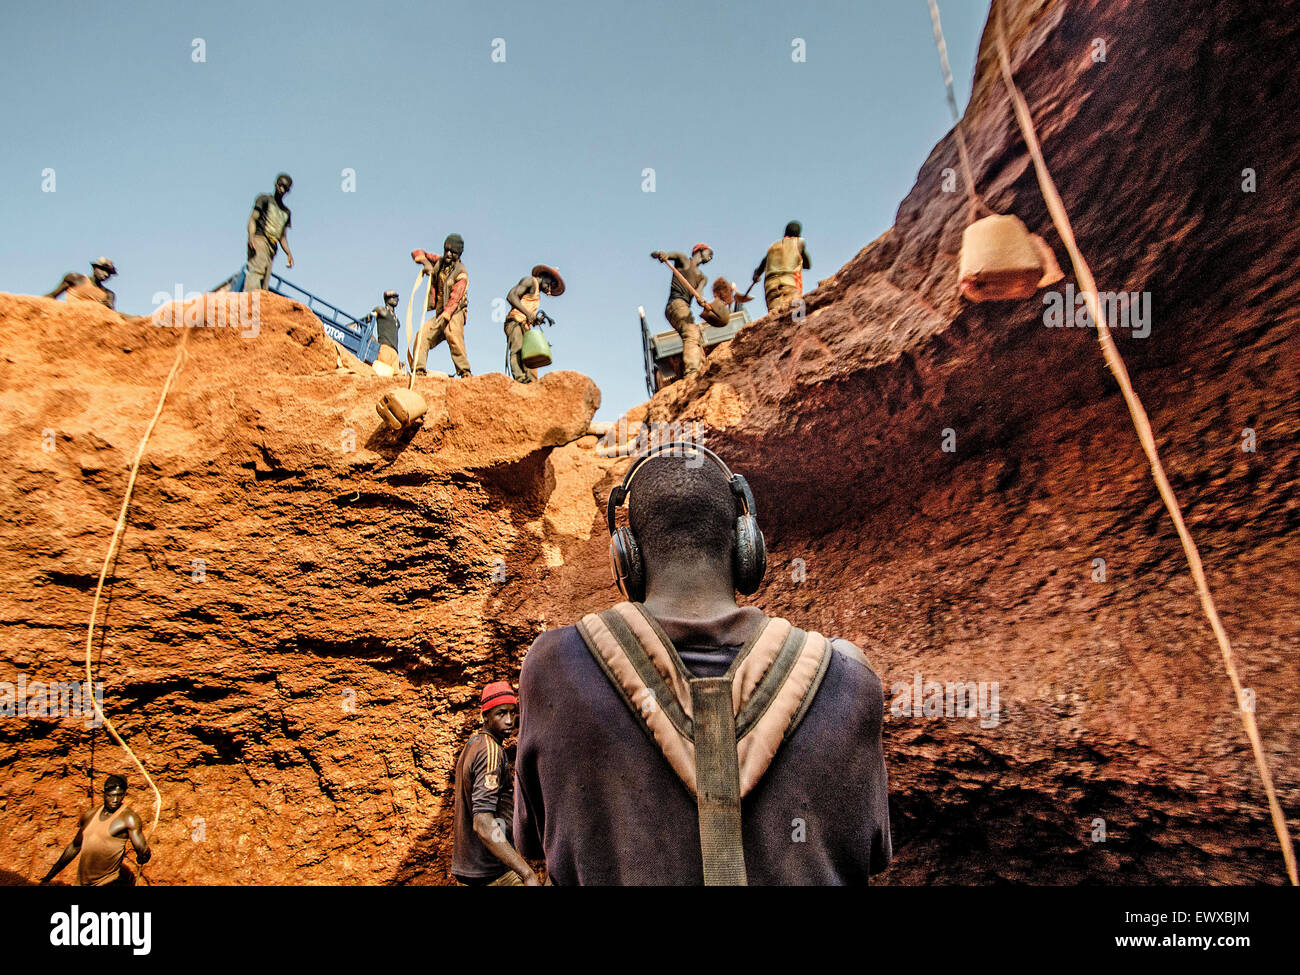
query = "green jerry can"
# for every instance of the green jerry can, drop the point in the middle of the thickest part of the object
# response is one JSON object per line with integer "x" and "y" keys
{"x": 536, "y": 351}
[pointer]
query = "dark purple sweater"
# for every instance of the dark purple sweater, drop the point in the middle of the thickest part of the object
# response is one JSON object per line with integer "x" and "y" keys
{"x": 596, "y": 798}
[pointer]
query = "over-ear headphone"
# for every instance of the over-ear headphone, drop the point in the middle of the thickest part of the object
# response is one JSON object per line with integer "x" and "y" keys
{"x": 749, "y": 554}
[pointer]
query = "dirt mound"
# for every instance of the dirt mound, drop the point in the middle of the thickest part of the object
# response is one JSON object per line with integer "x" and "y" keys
{"x": 305, "y": 604}
{"x": 299, "y": 620}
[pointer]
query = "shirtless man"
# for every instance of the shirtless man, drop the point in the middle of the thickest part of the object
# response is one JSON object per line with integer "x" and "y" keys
{"x": 82, "y": 288}
{"x": 678, "y": 309}
{"x": 525, "y": 300}
{"x": 101, "y": 841}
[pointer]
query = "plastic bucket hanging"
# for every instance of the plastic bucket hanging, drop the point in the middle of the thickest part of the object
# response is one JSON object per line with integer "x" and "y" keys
{"x": 536, "y": 351}
{"x": 1001, "y": 260}
{"x": 401, "y": 408}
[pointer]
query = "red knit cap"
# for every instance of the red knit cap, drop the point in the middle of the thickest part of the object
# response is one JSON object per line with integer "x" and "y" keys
{"x": 700, "y": 247}
{"x": 497, "y": 694}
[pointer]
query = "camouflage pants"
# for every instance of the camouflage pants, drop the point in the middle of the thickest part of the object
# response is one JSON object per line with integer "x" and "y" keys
{"x": 678, "y": 314}
{"x": 779, "y": 295}
{"x": 515, "y": 343}
{"x": 260, "y": 256}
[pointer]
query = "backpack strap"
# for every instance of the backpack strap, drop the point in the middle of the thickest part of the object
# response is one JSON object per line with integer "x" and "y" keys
{"x": 719, "y": 734}
{"x": 717, "y": 783}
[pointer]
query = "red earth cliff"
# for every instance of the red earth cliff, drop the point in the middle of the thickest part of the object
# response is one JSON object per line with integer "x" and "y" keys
{"x": 301, "y": 698}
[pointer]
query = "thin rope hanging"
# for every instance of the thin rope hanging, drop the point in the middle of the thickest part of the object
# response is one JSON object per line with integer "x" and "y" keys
{"x": 103, "y": 574}
{"x": 1145, "y": 434}
{"x": 976, "y": 204}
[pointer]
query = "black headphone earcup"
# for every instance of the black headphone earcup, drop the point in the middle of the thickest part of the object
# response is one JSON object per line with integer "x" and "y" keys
{"x": 628, "y": 569}
{"x": 749, "y": 561}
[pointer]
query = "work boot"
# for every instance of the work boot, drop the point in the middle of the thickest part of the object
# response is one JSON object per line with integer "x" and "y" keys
{"x": 421, "y": 372}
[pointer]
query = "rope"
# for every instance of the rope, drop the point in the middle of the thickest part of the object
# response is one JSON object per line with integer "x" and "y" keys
{"x": 976, "y": 204}
{"x": 103, "y": 573}
{"x": 1145, "y": 434}
{"x": 424, "y": 307}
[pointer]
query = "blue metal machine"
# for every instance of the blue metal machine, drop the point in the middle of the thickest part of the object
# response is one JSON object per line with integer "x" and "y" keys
{"x": 358, "y": 338}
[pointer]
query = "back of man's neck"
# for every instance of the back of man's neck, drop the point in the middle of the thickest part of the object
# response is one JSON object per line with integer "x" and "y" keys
{"x": 690, "y": 605}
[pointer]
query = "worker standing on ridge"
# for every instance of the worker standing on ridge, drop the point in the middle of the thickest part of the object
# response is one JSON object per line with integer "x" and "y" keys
{"x": 678, "y": 309}
{"x": 101, "y": 840}
{"x": 782, "y": 269}
{"x": 485, "y": 797}
{"x": 525, "y": 299}
{"x": 268, "y": 229}
{"x": 82, "y": 288}
{"x": 624, "y": 718}
{"x": 385, "y": 319}
{"x": 449, "y": 299}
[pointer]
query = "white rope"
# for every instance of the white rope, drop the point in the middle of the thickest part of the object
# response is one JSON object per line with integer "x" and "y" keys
{"x": 103, "y": 573}
{"x": 1145, "y": 434}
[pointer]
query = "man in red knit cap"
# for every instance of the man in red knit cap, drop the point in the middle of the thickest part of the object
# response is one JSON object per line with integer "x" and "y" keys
{"x": 485, "y": 800}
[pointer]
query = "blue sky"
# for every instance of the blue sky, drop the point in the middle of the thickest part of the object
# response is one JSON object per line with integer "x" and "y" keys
{"x": 537, "y": 159}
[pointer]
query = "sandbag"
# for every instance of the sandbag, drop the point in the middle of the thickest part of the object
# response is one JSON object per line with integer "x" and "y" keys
{"x": 402, "y": 407}
{"x": 536, "y": 351}
{"x": 1002, "y": 260}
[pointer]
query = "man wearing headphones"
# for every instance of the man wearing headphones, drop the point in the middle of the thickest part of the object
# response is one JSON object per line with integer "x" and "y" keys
{"x": 645, "y": 726}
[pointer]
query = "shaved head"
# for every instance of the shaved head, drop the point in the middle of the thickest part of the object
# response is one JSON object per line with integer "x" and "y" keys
{"x": 681, "y": 510}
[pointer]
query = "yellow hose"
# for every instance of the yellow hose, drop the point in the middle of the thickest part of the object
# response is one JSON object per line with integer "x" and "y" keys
{"x": 424, "y": 305}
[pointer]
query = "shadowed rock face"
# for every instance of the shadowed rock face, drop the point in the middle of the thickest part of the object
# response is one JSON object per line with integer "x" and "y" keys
{"x": 977, "y": 564}
{"x": 301, "y": 694}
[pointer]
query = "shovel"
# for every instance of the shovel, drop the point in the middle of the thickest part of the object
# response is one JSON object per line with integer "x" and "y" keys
{"x": 718, "y": 309}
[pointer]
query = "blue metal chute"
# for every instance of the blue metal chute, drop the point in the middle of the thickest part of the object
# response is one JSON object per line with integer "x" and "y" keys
{"x": 357, "y": 337}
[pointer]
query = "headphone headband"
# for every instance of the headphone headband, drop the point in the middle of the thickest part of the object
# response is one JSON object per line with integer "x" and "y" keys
{"x": 737, "y": 484}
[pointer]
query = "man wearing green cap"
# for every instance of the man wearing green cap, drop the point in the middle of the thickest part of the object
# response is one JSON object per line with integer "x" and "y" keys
{"x": 268, "y": 230}
{"x": 78, "y": 287}
{"x": 448, "y": 297}
{"x": 525, "y": 300}
{"x": 782, "y": 269}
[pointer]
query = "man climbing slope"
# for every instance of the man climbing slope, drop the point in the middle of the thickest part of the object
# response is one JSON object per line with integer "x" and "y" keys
{"x": 101, "y": 841}
{"x": 628, "y": 716}
{"x": 79, "y": 287}
{"x": 483, "y": 856}
{"x": 782, "y": 269}
{"x": 525, "y": 299}
{"x": 678, "y": 309}
{"x": 268, "y": 230}
{"x": 448, "y": 297}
